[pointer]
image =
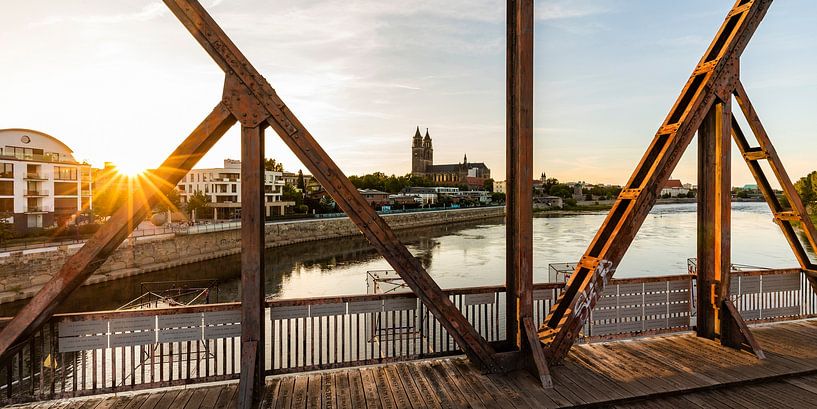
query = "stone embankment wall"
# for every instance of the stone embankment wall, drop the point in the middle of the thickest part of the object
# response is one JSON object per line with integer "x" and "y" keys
{"x": 23, "y": 273}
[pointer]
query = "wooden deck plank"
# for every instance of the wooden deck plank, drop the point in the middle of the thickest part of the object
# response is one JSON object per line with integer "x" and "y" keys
{"x": 314, "y": 392}
{"x": 408, "y": 376}
{"x": 356, "y": 389}
{"x": 369, "y": 389}
{"x": 167, "y": 398}
{"x": 211, "y": 397}
{"x": 299, "y": 392}
{"x": 328, "y": 400}
{"x": 445, "y": 369}
{"x": 196, "y": 398}
{"x": 398, "y": 391}
{"x": 387, "y": 398}
{"x": 343, "y": 395}
{"x": 441, "y": 387}
{"x": 227, "y": 395}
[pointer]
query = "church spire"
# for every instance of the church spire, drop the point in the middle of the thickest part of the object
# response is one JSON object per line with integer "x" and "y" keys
{"x": 427, "y": 137}
{"x": 417, "y": 133}
{"x": 465, "y": 159}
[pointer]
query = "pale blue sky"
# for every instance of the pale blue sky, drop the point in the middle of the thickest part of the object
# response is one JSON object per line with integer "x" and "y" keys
{"x": 123, "y": 81}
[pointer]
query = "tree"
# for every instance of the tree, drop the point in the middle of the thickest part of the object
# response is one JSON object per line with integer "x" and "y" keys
{"x": 691, "y": 194}
{"x": 272, "y": 165}
{"x": 548, "y": 184}
{"x": 171, "y": 202}
{"x": 197, "y": 203}
{"x": 488, "y": 185}
{"x": 290, "y": 194}
{"x": 107, "y": 200}
{"x": 6, "y": 227}
{"x": 807, "y": 189}
{"x": 300, "y": 183}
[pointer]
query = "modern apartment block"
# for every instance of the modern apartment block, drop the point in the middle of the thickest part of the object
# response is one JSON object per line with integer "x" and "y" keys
{"x": 41, "y": 183}
{"x": 223, "y": 185}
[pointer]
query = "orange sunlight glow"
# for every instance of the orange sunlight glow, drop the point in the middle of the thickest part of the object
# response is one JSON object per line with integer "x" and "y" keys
{"x": 129, "y": 169}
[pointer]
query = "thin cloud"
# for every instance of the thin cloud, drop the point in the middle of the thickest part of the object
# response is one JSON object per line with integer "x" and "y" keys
{"x": 148, "y": 12}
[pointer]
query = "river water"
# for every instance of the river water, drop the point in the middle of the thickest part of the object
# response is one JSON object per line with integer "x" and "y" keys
{"x": 463, "y": 255}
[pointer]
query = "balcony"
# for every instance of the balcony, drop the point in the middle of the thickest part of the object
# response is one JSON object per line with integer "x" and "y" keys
{"x": 36, "y": 192}
{"x": 37, "y": 209}
{"x": 35, "y": 176}
{"x": 38, "y": 158}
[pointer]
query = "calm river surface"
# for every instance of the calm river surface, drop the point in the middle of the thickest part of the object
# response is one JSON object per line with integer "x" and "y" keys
{"x": 462, "y": 255}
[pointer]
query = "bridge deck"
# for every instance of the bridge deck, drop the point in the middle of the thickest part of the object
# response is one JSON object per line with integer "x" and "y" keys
{"x": 669, "y": 371}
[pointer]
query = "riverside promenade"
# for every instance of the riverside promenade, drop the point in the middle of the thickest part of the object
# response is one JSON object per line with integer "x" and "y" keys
{"x": 22, "y": 273}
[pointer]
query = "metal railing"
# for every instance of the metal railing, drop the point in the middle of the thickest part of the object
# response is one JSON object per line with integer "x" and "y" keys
{"x": 38, "y": 192}
{"x": 111, "y": 351}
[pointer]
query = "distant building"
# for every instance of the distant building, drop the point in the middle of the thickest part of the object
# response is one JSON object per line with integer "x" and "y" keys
{"x": 500, "y": 186}
{"x": 674, "y": 188}
{"x": 223, "y": 185}
{"x": 547, "y": 202}
{"x": 473, "y": 174}
{"x": 375, "y": 197}
{"x": 41, "y": 183}
{"x": 428, "y": 195}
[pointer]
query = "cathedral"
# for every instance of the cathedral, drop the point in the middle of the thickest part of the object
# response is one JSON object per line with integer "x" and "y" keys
{"x": 473, "y": 175}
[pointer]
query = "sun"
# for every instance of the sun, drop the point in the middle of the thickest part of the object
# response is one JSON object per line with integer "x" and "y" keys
{"x": 129, "y": 169}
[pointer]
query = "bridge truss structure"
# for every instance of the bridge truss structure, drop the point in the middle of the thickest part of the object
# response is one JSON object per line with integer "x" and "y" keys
{"x": 704, "y": 106}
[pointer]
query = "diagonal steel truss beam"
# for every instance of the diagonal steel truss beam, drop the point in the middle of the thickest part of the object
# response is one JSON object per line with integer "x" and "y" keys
{"x": 786, "y": 218}
{"x": 97, "y": 249}
{"x": 211, "y": 37}
{"x": 714, "y": 78}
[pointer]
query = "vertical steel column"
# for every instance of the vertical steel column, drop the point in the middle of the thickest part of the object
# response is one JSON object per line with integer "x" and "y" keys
{"x": 252, "y": 265}
{"x": 714, "y": 218}
{"x": 519, "y": 166}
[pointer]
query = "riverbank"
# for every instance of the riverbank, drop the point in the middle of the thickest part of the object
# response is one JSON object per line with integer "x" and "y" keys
{"x": 23, "y": 273}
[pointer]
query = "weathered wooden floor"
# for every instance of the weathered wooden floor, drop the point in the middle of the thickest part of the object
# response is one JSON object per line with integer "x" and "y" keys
{"x": 669, "y": 371}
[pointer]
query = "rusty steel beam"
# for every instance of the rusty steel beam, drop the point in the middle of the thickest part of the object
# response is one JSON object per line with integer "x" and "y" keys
{"x": 97, "y": 249}
{"x": 538, "y": 361}
{"x": 713, "y": 78}
{"x": 519, "y": 165}
{"x": 205, "y": 30}
{"x": 252, "y": 262}
{"x": 714, "y": 225}
{"x": 787, "y": 219}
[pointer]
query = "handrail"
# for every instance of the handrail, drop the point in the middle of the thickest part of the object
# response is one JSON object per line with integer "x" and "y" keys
{"x": 112, "y": 351}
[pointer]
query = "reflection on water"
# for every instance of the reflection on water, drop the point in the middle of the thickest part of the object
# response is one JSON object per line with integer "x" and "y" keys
{"x": 469, "y": 254}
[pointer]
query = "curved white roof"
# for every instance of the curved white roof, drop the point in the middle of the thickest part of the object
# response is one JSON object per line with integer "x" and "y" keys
{"x": 29, "y": 138}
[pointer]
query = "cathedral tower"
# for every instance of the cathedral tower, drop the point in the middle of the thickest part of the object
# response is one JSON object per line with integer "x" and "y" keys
{"x": 418, "y": 167}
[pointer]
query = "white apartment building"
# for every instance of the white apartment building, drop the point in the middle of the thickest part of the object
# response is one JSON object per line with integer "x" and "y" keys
{"x": 41, "y": 183}
{"x": 223, "y": 185}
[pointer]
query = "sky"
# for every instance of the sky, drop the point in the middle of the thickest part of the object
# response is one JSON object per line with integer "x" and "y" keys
{"x": 124, "y": 82}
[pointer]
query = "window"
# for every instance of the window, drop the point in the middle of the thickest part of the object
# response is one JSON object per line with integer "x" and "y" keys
{"x": 65, "y": 189}
{"x": 65, "y": 173}
{"x": 6, "y": 170}
{"x": 7, "y": 205}
{"x": 7, "y": 188}
{"x": 65, "y": 205}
